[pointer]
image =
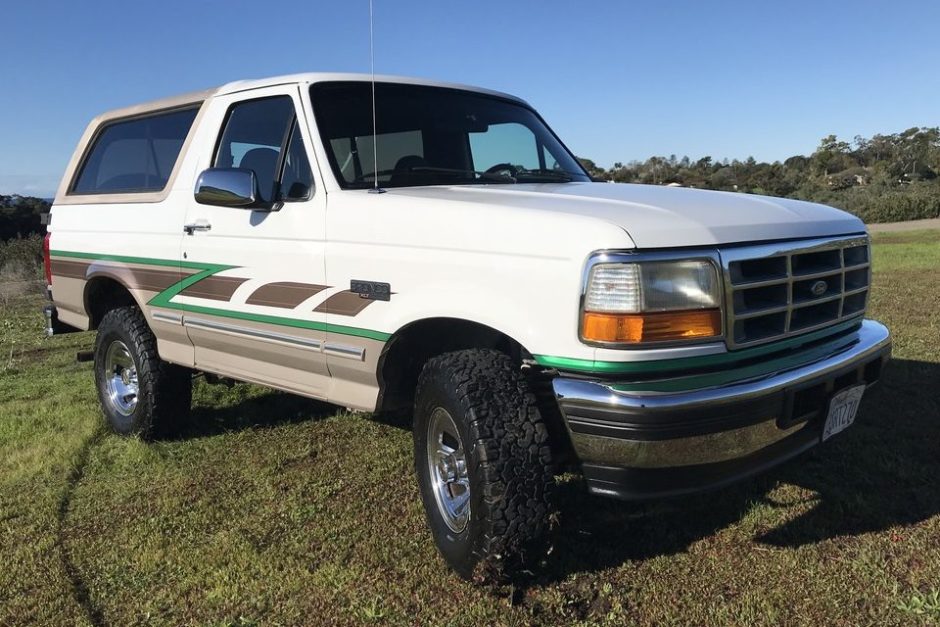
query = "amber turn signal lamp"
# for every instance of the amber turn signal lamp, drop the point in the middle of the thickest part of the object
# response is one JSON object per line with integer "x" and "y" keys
{"x": 660, "y": 326}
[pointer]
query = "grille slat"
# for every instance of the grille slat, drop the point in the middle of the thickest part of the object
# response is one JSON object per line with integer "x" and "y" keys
{"x": 783, "y": 281}
{"x": 815, "y": 275}
{"x": 776, "y": 291}
{"x": 819, "y": 301}
{"x": 761, "y": 312}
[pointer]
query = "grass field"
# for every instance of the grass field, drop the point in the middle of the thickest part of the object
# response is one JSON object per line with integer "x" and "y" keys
{"x": 276, "y": 510}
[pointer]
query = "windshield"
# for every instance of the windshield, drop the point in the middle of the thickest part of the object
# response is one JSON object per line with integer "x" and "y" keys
{"x": 435, "y": 136}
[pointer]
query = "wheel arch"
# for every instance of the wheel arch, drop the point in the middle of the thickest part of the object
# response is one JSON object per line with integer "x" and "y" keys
{"x": 415, "y": 343}
{"x": 105, "y": 290}
{"x": 412, "y": 345}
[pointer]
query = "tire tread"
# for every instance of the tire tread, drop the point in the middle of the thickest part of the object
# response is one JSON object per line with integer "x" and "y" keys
{"x": 510, "y": 447}
{"x": 165, "y": 389}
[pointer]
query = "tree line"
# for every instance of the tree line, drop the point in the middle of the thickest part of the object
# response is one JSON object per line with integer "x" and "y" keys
{"x": 880, "y": 179}
{"x": 21, "y": 216}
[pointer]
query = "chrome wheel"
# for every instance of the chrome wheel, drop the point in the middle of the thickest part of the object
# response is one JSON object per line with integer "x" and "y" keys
{"x": 120, "y": 375}
{"x": 447, "y": 466}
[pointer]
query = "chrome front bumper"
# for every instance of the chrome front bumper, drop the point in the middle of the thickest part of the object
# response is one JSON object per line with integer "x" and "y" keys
{"x": 642, "y": 444}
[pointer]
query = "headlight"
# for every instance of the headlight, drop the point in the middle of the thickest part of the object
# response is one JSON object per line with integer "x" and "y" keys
{"x": 651, "y": 301}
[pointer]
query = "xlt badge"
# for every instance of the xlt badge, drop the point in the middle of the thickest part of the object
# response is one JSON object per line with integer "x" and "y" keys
{"x": 371, "y": 290}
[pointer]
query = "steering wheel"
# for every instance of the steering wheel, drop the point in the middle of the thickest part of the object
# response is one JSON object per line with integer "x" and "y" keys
{"x": 506, "y": 169}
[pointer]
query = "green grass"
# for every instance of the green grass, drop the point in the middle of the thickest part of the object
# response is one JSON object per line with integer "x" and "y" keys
{"x": 272, "y": 509}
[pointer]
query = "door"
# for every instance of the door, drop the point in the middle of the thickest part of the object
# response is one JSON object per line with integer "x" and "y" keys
{"x": 256, "y": 275}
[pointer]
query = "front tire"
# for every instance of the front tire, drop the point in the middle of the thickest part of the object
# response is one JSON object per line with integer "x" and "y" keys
{"x": 483, "y": 462}
{"x": 140, "y": 394}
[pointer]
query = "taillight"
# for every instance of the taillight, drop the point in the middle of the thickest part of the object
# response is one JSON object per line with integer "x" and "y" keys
{"x": 46, "y": 261}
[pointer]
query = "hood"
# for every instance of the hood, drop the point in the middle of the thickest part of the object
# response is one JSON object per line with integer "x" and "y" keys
{"x": 662, "y": 217}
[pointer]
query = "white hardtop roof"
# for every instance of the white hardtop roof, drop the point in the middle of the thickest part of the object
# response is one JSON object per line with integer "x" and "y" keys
{"x": 319, "y": 77}
{"x": 298, "y": 79}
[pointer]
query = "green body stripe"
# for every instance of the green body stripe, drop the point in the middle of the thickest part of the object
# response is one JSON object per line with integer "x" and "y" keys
{"x": 144, "y": 261}
{"x": 788, "y": 361}
{"x": 164, "y": 298}
{"x": 685, "y": 363}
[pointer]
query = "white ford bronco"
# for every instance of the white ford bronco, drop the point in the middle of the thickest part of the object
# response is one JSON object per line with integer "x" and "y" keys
{"x": 444, "y": 254}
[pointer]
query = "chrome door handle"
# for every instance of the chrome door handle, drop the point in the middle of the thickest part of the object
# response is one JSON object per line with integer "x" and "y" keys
{"x": 189, "y": 229}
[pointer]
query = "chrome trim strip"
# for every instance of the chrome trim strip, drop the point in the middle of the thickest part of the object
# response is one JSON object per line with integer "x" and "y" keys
{"x": 270, "y": 336}
{"x": 819, "y": 301}
{"x": 822, "y": 325}
{"x": 344, "y": 350}
{"x": 765, "y": 283}
{"x": 818, "y": 275}
{"x": 165, "y": 316}
{"x": 873, "y": 339}
{"x": 708, "y": 448}
{"x": 860, "y": 266}
{"x": 715, "y": 347}
{"x": 757, "y": 313}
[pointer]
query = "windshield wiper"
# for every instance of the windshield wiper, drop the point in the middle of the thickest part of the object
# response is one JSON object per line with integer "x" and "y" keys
{"x": 489, "y": 176}
{"x": 542, "y": 173}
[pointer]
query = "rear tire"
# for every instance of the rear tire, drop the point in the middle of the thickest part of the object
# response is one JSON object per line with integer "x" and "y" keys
{"x": 483, "y": 462}
{"x": 140, "y": 394}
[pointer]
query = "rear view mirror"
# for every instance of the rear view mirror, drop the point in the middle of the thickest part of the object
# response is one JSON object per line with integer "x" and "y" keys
{"x": 227, "y": 187}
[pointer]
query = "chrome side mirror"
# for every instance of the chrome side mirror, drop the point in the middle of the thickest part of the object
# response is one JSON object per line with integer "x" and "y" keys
{"x": 227, "y": 187}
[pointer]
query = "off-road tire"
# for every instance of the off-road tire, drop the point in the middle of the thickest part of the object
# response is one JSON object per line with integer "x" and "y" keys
{"x": 508, "y": 460}
{"x": 165, "y": 390}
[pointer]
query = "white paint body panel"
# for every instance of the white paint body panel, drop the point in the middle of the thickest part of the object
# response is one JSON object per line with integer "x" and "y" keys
{"x": 517, "y": 270}
{"x": 656, "y": 216}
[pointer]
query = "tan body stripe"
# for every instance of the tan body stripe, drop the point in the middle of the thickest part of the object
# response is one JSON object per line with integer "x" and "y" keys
{"x": 285, "y": 294}
{"x": 343, "y": 303}
{"x": 214, "y": 287}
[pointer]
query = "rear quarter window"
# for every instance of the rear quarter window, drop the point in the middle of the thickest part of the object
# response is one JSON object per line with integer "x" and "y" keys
{"x": 135, "y": 155}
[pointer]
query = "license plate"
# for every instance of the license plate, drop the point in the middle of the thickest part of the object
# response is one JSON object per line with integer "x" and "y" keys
{"x": 842, "y": 410}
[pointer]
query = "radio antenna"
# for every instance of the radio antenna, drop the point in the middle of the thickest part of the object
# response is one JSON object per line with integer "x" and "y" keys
{"x": 375, "y": 141}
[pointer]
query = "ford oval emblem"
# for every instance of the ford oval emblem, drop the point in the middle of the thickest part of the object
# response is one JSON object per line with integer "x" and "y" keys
{"x": 819, "y": 288}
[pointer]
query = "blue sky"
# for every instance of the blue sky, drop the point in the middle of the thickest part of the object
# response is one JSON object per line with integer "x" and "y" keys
{"x": 616, "y": 80}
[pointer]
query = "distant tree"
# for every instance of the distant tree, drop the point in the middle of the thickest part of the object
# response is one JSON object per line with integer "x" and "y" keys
{"x": 830, "y": 154}
{"x": 592, "y": 168}
{"x": 21, "y": 216}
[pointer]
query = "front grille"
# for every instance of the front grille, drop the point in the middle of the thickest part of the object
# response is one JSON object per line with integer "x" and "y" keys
{"x": 779, "y": 290}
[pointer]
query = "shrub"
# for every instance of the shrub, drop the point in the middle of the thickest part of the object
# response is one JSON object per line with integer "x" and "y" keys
{"x": 876, "y": 203}
{"x": 20, "y": 265}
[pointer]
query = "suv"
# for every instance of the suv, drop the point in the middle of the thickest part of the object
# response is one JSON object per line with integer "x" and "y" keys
{"x": 442, "y": 253}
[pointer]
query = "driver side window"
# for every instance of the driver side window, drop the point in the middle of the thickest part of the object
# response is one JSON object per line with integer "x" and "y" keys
{"x": 262, "y": 136}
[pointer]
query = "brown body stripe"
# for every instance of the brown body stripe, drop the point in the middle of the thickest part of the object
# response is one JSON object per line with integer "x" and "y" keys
{"x": 284, "y": 294}
{"x": 214, "y": 287}
{"x": 344, "y": 303}
{"x": 69, "y": 269}
{"x": 157, "y": 280}
{"x": 139, "y": 278}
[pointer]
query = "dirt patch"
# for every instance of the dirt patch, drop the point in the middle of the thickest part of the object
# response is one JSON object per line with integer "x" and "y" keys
{"x": 17, "y": 278}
